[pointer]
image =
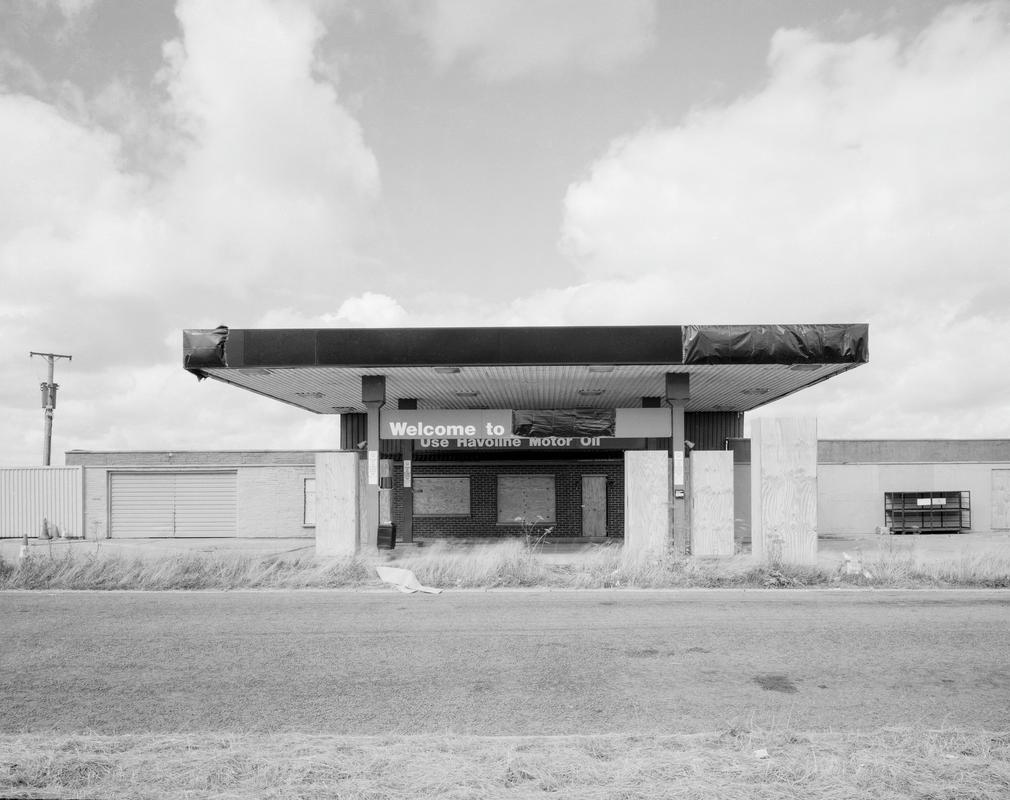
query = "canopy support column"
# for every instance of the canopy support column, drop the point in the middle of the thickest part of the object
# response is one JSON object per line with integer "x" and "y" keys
{"x": 373, "y": 395}
{"x": 678, "y": 392}
{"x": 406, "y": 530}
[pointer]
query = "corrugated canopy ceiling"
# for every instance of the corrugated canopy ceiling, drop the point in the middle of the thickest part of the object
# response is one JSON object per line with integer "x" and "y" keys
{"x": 527, "y": 368}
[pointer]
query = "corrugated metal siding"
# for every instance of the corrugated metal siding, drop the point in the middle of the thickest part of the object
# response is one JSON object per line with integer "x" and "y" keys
{"x": 141, "y": 505}
{"x": 166, "y": 504}
{"x": 354, "y": 430}
{"x": 205, "y": 504}
{"x": 30, "y": 494}
{"x": 709, "y": 430}
{"x": 714, "y": 387}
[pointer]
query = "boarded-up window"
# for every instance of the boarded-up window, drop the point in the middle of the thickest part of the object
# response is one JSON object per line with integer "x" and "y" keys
{"x": 528, "y": 498}
{"x": 442, "y": 496}
{"x": 309, "y": 510}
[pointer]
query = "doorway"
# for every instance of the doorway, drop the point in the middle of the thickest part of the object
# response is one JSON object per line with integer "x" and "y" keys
{"x": 594, "y": 505}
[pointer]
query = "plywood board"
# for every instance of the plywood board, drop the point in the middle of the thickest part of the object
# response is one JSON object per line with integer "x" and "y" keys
{"x": 338, "y": 510}
{"x": 1000, "y": 500}
{"x": 363, "y": 490}
{"x": 594, "y": 505}
{"x": 784, "y": 490}
{"x": 526, "y": 497}
{"x": 646, "y": 502}
{"x": 442, "y": 495}
{"x": 712, "y": 503}
{"x": 741, "y": 504}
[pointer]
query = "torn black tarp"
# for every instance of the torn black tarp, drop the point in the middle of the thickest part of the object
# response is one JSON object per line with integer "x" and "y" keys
{"x": 776, "y": 344}
{"x": 564, "y": 422}
{"x": 203, "y": 348}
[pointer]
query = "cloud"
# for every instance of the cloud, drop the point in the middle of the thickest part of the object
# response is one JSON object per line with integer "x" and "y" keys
{"x": 507, "y": 39}
{"x": 368, "y": 310}
{"x": 276, "y": 176}
{"x": 71, "y": 8}
{"x": 866, "y": 181}
{"x": 68, "y": 8}
{"x": 264, "y": 186}
{"x": 853, "y": 157}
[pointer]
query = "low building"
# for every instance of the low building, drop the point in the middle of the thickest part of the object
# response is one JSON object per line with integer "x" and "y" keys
{"x": 271, "y": 494}
{"x": 589, "y": 434}
{"x": 587, "y": 431}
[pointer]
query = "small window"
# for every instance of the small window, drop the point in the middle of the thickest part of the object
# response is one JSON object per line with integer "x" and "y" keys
{"x": 309, "y": 507}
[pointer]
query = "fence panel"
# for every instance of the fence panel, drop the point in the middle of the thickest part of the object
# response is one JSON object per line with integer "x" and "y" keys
{"x": 29, "y": 495}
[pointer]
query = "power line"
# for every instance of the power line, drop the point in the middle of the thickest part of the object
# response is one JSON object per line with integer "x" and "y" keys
{"x": 49, "y": 402}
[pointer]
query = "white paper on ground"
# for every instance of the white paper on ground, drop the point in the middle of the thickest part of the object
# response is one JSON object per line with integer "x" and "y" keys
{"x": 404, "y": 580}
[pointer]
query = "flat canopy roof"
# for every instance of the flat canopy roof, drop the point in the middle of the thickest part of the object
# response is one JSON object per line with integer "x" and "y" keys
{"x": 731, "y": 367}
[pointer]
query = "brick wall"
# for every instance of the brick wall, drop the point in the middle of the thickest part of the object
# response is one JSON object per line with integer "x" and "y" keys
{"x": 483, "y": 519}
{"x": 270, "y": 501}
{"x": 196, "y": 458}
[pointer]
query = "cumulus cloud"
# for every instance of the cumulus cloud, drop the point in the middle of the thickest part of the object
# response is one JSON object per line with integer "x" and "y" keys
{"x": 867, "y": 181}
{"x": 368, "y": 310}
{"x": 506, "y": 39}
{"x": 853, "y": 158}
{"x": 276, "y": 173}
{"x": 68, "y": 8}
{"x": 266, "y": 186}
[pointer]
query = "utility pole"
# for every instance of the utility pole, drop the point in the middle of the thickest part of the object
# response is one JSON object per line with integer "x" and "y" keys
{"x": 49, "y": 402}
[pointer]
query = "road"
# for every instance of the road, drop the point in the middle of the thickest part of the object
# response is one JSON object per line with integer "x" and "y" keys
{"x": 503, "y": 662}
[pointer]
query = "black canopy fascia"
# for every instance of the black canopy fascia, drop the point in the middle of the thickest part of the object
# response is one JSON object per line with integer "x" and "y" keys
{"x": 524, "y": 346}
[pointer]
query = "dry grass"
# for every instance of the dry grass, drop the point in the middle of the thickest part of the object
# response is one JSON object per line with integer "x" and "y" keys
{"x": 505, "y": 564}
{"x": 508, "y": 563}
{"x": 921, "y": 764}
{"x": 189, "y": 571}
{"x": 903, "y": 571}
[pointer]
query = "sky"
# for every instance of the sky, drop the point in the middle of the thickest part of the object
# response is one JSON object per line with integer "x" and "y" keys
{"x": 312, "y": 163}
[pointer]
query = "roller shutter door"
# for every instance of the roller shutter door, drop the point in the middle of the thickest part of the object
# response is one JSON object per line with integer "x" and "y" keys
{"x": 166, "y": 504}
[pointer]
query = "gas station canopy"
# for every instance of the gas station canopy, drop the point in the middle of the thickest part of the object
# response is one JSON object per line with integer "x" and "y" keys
{"x": 731, "y": 367}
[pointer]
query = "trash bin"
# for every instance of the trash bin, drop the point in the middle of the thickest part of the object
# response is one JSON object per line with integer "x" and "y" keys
{"x": 386, "y": 539}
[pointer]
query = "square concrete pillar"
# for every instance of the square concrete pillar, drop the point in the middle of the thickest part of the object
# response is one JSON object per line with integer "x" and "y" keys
{"x": 784, "y": 490}
{"x": 646, "y": 502}
{"x": 712, "y": 518}
{"x": 337, "y": 504}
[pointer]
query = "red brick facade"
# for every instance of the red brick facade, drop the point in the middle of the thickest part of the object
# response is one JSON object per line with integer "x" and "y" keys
{"x": 483, "y": 518}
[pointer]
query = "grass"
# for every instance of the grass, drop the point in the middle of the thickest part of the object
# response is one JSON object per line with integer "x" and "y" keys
{"x": 190, "y": 571}
{"x": 731, "y": 764}
{"x": 508, "y": 564}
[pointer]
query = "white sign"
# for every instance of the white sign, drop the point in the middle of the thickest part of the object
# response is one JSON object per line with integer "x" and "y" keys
{"x": 496, "y": 423}
{"x": 678, "y": 467}
{"x": 373, "y": 467}
{"x": 439, "y": 424}
{"x": 406, "y": 472}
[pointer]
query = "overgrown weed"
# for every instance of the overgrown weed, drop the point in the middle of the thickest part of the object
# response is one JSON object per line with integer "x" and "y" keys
{"x": 511, "y": 563}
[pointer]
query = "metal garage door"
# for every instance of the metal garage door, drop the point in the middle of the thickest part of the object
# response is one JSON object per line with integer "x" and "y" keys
{"x": 182, "y": 504}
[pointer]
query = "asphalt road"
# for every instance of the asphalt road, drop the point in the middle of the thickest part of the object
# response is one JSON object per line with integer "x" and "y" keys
{"x": 503, "y": 662}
